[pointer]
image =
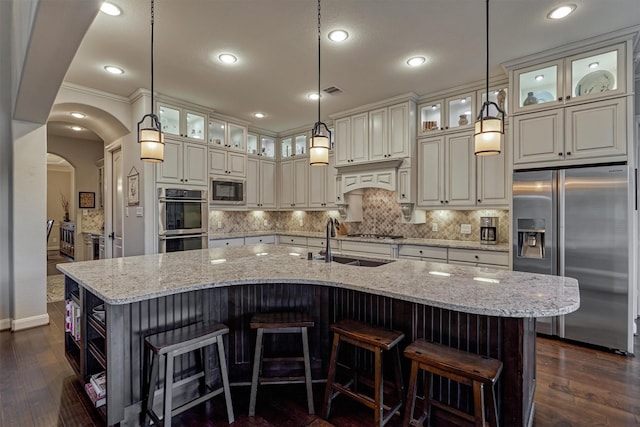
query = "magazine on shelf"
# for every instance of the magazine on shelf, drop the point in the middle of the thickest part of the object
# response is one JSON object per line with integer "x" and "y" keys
{"x": 97, "y": 401}
{"x": 72, "y": 319}
{"x": 99, "y": 383}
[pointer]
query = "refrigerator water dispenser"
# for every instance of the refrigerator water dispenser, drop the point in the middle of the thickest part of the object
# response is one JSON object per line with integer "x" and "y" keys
{"x": 531, "y": 238}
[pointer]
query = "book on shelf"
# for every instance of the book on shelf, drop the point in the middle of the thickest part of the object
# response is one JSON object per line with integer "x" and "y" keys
{"x": 99, "y": 383}
{"x": 72, "y": 319}
{"x": 97, "y": 401}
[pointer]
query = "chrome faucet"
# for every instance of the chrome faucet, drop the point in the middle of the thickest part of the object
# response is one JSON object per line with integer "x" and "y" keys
{"x": 330, "y": 232}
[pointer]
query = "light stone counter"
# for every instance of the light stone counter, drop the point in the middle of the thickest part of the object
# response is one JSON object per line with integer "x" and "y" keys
{"x": 473, "y": 290}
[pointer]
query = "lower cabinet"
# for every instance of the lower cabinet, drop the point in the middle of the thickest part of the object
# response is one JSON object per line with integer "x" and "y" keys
{"x": 223, "y": 243}
{"x": 255, "y": 240}
{"x": 292, "y": 240}
{"x": 492, "y": 259}
{"x": 423, "y": 253}
{"x": 367, "y": 248}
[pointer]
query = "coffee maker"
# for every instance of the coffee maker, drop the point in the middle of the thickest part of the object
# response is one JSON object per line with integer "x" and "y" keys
{"x": 489, "y": 230}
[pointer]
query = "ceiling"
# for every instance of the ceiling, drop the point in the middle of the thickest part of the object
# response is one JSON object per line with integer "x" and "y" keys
{"x": 275, "y": 41}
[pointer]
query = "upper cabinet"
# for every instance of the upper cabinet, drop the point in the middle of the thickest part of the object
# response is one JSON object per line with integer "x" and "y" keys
{"x": 295, "y": 145}
{"x": 452, "y": 113}
{"x": 582, "y": 77}
{"x": 261, "y": 145}
{"x": 181, "y": 122}
{"x": 223, "y": 134}
{"x": 184, "y": 163}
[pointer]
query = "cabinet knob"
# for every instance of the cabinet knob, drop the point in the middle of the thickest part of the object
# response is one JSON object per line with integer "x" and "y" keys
{"x": 186, "y": 180}
{"x": 441, "y": 202}
{"x": 181, "y": 180}
{"x": 420, "y": 250}
{"x": 227, "y": 243}
{"x": 560, "y": 98}
{"x": 568, "y": 153}
{"x": 568, "y": 97}
{"x": 476, "y": 256}
{"x": 479, "y": 200}
{"x": 559, "y": 154}
{"x": 446, "y": 201}
{"x": 403, "y": 196}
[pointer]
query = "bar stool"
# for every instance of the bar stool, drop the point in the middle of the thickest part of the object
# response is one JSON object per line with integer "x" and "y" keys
{"x": 470, "y": 369}
{"x": 376, "y": 340}
{"x": 173, "y": 343}
{"x": 280, "y": 323}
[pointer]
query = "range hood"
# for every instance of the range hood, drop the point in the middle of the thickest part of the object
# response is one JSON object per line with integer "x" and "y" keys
{"x": 376, "y": 174}
{"x": 369, "y": 166}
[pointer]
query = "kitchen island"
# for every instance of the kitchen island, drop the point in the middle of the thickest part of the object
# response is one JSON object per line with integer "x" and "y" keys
{"x": 484, "y": 311}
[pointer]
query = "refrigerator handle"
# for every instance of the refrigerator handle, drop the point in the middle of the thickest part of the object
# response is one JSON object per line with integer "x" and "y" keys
{"x": 635, "y": 187}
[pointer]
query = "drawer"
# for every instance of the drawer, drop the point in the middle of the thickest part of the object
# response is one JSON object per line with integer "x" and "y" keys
{"x": 384, "y": 249}
{"x": 479, "y": 257}
{"x": 415, "y": 251}
{"x": 223, "y": 243}
{"x": 317, "y": 242}
{"x": 254, "y": 240}
{"x": 293, "y": 240}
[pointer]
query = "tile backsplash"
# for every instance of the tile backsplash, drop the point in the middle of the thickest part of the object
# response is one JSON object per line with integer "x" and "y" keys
{"x": 381, "y": 214}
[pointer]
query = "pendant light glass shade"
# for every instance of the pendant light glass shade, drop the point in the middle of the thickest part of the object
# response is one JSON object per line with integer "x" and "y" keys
{"x": 488, "y": 129}
{"x": 150, "y": 138}
{"x": 320, "y": 135}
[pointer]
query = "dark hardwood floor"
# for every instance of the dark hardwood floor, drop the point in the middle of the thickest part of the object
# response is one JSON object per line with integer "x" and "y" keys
{"x": 576, "y": 387}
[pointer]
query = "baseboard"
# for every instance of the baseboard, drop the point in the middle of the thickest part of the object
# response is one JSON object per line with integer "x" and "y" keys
{"x": 30, "y": 322}
{"x": 5, "y": 324}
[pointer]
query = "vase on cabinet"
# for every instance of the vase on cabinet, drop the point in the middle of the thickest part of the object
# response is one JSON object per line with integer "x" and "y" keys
{"x": 463, "y": 120}
{"x": 530, "y": 99}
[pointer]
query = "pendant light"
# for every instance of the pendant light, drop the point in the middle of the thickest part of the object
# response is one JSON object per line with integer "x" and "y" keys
{"x": 151, "y": 138}
{"x": 488, "y": 129}
{"x": 320, "y": 135}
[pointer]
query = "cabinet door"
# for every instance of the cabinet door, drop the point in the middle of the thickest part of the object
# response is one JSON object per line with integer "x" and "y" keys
{"x": 343, "y": 140}
{"x": 330, "y": 184}
{"x": 596, "y": 130}
{"x": 217, "y": 133}
{"x": 267, "y": 184}
{"x": 596, "y": 74}
{"x": 237, "y": 164}
{"x": 253, "y": 183}
{"x": 404, "y": 186}
{"x": 461, "y": 171}
{"x": 359, "y": 138}
{"x": 431, "y": 172}
{"x": 378, "y": 144}
{"x": 492, "y": 180}
{"x": 170, "y": 171}
{"x": 195, "y": 126}
{"x": 538, "y": 86}
{"x": 300, "y": 179}
{"x": 170, "y": 119}
{"x": 317, "y": 186}
{"x": 538, "y": 137}
{"x": 285, "y": 190}
{"x": 399, "y": 125}
{"x": 217, "y": 161}
{"x": 195, "y": 164}
{"x": 460, "y": 111}
{"x": 237, "y": 137}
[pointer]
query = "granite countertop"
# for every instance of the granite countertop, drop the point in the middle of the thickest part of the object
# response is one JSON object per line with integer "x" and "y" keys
{"x": 473, "y": 290}
{"x": 457, "y": 244}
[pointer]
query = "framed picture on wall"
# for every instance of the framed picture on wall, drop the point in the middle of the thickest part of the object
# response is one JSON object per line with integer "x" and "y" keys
{"x": 133, "y": 188}
{"x": 87, "y": 200}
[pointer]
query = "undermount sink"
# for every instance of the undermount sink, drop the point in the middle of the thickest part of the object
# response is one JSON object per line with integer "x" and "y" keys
{"x": 359, "y": 261}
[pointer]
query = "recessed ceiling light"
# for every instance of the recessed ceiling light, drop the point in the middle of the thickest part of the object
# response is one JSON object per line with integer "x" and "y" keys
{"x": 113, "y": 69}
{"x": 76, "y": 128}
{"x": 259, "y": 115}
{"x": 338, "y": 35}
{"x": 416, "y": 61}
{"x": 594, "y": 65}
{"x": 539, "y": 77}
{"x": 561, "y": 11}
{"x": 110, "y": 9}
{"x": 227, "y": 58}
{"x": 314, "y": 96}
{"x": 78, "y": 115}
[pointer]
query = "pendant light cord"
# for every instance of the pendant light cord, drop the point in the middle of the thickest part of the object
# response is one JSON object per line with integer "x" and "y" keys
{"x": 152, "y": 19}
{"x": 487, "y": 33}
{"x": 318, "y": 61}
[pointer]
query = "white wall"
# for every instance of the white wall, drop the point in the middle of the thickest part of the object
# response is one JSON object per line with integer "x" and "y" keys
{"x": 59, "y": 181}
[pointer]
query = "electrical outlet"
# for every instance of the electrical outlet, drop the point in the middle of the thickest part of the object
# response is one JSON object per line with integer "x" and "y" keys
{"x": 301, "y": 223}
{"x": 126, "y": 212}
{"x": 55, "y": 240}
{"x": 434, "y": 226}
{"x": 266, "y": 223}
{"x": 85, "y": 212}
{"x": 465, "y": 228}
{"x": 219, "y": 224}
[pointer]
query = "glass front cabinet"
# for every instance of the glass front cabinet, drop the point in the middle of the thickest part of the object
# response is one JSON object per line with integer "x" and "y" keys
{"x": 594, "y": 74}
{"x": 453, "y": 113}
{"x": 261, "y": 145}
{"x": 227, "y": 135}
{"x": 181, "y": 122}
{"x": 295, "y": 145}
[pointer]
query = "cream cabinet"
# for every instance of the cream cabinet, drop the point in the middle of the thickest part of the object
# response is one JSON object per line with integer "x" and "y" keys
{"x": 261, "y": 179}
{"x": 582, "y": 77}
{"x": 492, "y": 179}
{"x": 294, "y": 145}
{"x": 322, "y": 185}
{"x": 367, "y": 248}
{"x": 490, "y": 259}
{"x": 293, "y": 179}
{"x": 423, "y": 253}
{"x": 261, "y": 145}
{"x": 184, "y": 163}
{"x": 596, "y": 131}
{"x": 352, "y": 139}
{"x": 447, "y": 171}
{"x": 226, "y": 135}
{"x": 228, "y": 163}
{"x": 225, "y": 243}
{"x": 182, "y": 122}
{"x": 256, "y": 240}
{"x": 290, "y": 240}
{"x": 452, "y": 113}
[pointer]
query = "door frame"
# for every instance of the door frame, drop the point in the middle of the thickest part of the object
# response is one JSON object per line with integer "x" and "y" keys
{"x": 108, "y": 195}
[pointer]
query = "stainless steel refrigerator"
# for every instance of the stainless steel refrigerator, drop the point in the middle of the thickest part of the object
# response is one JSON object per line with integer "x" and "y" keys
{"x": 576, "y": 223}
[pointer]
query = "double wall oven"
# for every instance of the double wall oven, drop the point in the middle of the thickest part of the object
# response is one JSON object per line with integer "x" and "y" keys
{"x": 182, "y": 219}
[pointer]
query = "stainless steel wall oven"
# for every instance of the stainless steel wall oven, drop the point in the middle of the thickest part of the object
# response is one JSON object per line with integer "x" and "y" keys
{"x": 182, "y": 219}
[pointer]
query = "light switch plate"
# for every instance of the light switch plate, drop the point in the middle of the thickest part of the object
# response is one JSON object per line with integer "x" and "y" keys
{"x": 219, "y": 224}
{"x": 126, "y": 211}
{"x": 266, "y": 223}
{"x": 465, "y": 228}
{"x": 434, "y": 226}
{"x": 139, "y": 211}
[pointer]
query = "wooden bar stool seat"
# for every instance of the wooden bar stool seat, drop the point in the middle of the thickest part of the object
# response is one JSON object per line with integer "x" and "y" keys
{"x": 478, "y": 372}
{"x": 377, "y": 340}
{"x": 280, "y": 323}
{"x": 176, "y": 342}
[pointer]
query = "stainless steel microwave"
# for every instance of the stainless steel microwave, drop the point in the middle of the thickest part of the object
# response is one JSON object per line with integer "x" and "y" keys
{"x": 228, "y": 191}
